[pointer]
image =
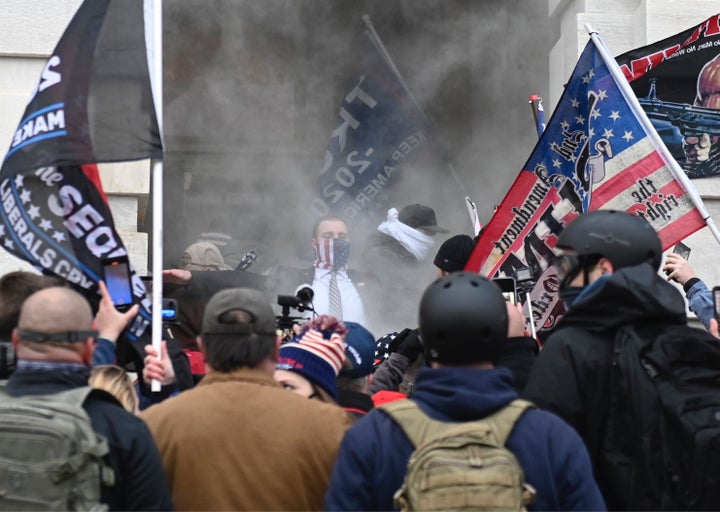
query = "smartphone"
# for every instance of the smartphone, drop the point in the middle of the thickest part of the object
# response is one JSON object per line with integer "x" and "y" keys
{"x": 117, "y": 280}
{"x": 682, "y": 249}
{"x": 716, "y": 302}
{"x": 508, "y": 287}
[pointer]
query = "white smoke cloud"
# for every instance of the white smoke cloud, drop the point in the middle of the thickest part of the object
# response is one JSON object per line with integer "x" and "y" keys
{"x": 253, "y": 88}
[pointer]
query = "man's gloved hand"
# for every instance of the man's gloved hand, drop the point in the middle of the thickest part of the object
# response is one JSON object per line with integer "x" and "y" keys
{"x": 408, "y": 344}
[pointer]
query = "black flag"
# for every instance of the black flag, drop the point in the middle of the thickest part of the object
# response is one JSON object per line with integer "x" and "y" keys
{"x": 93, "y": 102}
{"x": 676, "y": 81}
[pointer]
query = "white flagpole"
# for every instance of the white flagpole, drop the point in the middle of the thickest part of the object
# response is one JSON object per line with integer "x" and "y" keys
{"x": 155, "y": 66}
{"x": 631, "y": 99}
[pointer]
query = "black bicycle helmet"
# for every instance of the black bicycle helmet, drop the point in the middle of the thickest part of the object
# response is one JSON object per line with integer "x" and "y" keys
{"x": 625, "y": 239}
{"x": 463, "y": 319}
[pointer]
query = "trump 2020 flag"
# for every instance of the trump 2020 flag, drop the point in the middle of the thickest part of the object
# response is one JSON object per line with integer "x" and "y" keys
{"x": 378, "y": 134}
{"x": 595, "y": 153}
{"x": 93, "y": 103}
{"x": 677, "y": 81}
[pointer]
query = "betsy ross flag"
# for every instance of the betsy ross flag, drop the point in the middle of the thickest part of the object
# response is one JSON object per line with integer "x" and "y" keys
{"x": 677, "y": 82}
{"x": 379, "y": 134}
{"x": 596, "y": 152}
{"x": 93, "y": 103}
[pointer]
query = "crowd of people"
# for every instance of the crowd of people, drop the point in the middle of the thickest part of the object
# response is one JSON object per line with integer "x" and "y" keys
{"x": 327, "y": 410}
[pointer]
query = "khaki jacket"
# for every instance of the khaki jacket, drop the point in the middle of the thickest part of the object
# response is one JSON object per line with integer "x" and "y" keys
{"x": 239, "y": 441}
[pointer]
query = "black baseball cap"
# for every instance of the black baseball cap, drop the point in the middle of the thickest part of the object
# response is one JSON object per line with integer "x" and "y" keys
{"x": 419, "y": 216}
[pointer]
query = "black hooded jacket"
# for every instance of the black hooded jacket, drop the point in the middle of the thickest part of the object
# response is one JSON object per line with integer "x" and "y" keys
{"x": 140, "y": 481}
{"x": 571, "y": 376}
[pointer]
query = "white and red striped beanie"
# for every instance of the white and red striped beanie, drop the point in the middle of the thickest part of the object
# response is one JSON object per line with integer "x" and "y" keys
{"x": 317, "y": 359}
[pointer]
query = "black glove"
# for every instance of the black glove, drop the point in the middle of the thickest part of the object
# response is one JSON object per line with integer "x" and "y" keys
{"x": 397, "y": 340}
{"x": 411, "y": 346}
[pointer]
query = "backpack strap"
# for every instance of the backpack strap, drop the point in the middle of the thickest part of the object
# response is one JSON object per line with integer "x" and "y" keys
{"x": 503, "y": 421}
{"x": 420, "y": 428}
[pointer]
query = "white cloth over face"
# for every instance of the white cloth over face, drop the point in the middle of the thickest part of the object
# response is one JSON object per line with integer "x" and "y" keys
{"x": 418, "y": 244}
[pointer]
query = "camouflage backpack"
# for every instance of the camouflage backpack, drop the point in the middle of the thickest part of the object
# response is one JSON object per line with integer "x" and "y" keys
{"x": 50, "y": 456}
{"x": 461, "y": 466}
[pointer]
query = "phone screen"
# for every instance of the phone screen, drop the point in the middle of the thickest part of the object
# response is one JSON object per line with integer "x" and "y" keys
{"x": 682, "y": 249}
{"x": 117, "y": 280}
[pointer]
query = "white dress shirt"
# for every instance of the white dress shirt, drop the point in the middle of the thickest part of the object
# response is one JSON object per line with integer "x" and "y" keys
{"x": 352, "y": 306}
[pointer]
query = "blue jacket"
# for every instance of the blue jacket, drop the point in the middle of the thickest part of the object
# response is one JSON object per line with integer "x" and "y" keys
{"x": 700, "y": 302}
{"x": 374, "y": 453}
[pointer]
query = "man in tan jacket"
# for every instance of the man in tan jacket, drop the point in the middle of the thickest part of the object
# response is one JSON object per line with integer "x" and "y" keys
{"x": 238, "y": 440}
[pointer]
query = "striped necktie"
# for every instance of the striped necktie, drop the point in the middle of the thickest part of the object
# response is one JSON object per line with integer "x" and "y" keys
{"x": 335, "y": 299}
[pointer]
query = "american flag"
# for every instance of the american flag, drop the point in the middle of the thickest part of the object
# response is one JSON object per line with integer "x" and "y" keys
{"x": 594, "y": 153}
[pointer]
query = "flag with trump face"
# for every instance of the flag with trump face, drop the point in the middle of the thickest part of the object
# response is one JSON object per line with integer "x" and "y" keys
{"x": 594, "y": 153}
{"x": 92, "y": 103}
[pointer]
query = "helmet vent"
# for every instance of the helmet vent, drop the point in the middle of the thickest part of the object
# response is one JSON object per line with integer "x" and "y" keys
{"x": 447, "y": 285}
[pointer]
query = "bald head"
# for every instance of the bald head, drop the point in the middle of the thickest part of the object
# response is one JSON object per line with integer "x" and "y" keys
{"x": 55, "y": 309}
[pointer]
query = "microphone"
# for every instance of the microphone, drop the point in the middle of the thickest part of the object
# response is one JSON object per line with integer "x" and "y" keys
{"x": 247, "y": 260}
{"x": 305, "y": 295}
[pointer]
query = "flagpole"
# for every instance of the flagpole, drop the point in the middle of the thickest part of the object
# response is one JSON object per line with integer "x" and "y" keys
{"x": 631, "y": 99}
{"x": 157, "y": 186}
{"x": 375, "y": 38}
{"x": 538, "y": 113}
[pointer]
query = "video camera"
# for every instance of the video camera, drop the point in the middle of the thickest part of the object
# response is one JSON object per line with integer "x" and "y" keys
{"x": 169, "y": 306}
{"x": 525, "y": 282}
{"x": 169, "y": 311}
{"x": 301, "y": 302}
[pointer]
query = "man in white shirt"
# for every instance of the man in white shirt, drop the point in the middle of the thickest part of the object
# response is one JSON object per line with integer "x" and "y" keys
{"x": 331, "y": 242}
{"x": 337, "y": 291}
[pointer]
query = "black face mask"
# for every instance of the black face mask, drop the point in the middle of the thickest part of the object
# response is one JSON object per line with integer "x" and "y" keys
{"x": 569, "y": 295}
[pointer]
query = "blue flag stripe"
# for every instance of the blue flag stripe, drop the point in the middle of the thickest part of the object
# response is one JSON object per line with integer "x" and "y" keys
{"x": 50, "y": 135}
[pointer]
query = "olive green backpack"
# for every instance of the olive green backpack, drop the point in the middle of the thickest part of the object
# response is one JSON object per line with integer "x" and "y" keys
{"x": 50, "y": 456}
{"x": 461, "y": 466}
